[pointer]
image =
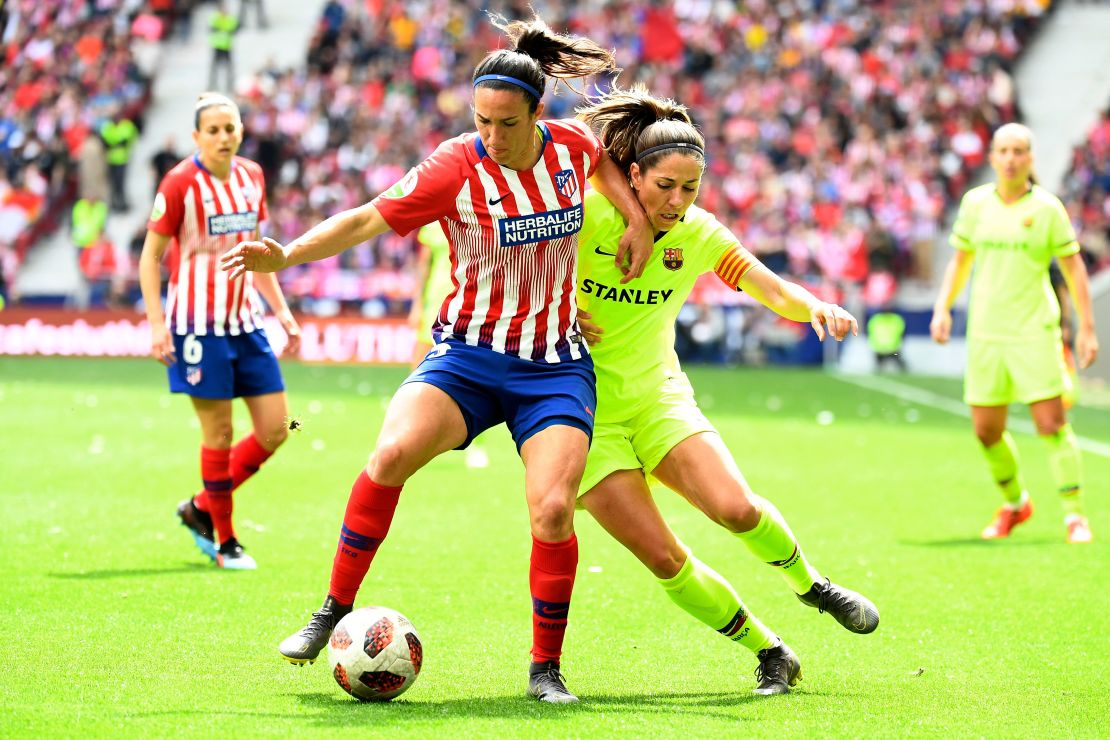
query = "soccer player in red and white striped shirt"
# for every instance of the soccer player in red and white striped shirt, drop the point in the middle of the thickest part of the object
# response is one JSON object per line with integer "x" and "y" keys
{"x": 509, "y": 198}
{"x": 210, "y": 336}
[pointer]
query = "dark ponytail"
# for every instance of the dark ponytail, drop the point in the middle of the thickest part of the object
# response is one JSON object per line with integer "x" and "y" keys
{"x": 538, "y": 51}
{"x": 636, "y": 127}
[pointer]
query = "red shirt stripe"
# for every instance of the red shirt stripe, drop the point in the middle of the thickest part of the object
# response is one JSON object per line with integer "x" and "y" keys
{"x": 205, "y": 218}
{"x": 513, "y": 237}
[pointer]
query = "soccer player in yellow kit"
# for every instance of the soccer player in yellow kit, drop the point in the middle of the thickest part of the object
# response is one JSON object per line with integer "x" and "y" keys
{"x": 647, "y": 419}
{"x": 1011, "y": 229}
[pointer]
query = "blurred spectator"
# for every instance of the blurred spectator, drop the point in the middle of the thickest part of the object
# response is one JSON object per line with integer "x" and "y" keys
{"x": 102, "y": 271}
{"x": 19, "y": 206}
{"x": 259, "y": 13}
{"x": 164, "y": 160}
{"x": 87, "y": 221}
{"x": 885, "y": 330}
{"x": 119, "y": 134}
{"x": 1086, "y": 193}
{"x": 92, "y": 170}
{"x": 222, "y": 26}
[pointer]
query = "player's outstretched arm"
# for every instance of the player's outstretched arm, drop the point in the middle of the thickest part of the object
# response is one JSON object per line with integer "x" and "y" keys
{"x": 1075, "y": 274}
{"x": 794, "y": 302}
{"x": 340, "y": 232}
{"x": 955, "y": 278}
{"x": 637, "y": 241}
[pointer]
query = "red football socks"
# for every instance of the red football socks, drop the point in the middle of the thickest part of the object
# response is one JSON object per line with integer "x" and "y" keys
{"x": 551, "y": 578}
{"x": 365, "y": 524}
{"x": 215, "y": 473}
{"x": 247, "y": 457}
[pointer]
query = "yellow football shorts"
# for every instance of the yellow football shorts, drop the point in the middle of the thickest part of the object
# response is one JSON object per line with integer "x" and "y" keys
{"x": 641, "y": 442}
{"x": 1000, "y": 373}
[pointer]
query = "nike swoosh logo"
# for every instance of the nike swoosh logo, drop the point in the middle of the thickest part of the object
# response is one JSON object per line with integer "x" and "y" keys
{"x": 553, "y": 613}
{"x": 494, "y": 202}
{"x": 599, "y": 250}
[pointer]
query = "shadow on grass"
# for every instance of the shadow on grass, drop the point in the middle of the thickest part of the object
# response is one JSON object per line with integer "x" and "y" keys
{"x": 980, "y": 542}
{"x": 95, "y": 575}
{"x": 339, "y": 710}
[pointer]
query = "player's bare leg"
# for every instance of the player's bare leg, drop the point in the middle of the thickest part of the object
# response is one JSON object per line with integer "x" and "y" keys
{"x": 421, "y": 422}
{"x": 701, "y": 469}
{"x": 623, "y": 505}
{"x": 553, "y": 459}
{"x": 269, "y": 418}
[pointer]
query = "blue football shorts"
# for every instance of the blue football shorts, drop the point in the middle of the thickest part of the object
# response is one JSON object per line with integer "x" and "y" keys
{"x": 219, "y": 367}
{"x": 490, "y": 387}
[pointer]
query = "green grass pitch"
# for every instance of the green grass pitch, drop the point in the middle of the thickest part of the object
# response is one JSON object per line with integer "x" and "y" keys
{"x": 115, "y": 625}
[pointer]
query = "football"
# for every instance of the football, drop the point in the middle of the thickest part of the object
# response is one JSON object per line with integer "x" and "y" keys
{"x": 375, "y": 653}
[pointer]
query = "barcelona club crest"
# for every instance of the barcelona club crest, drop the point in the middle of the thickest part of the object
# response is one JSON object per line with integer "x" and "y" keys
{"x": 672, "y": 258}
{"x": 566, "y": 183}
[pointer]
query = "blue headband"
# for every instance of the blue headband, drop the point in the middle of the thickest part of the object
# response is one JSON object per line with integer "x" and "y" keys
{"x": 512, "y": 81}
{"x": 675, "y": 145}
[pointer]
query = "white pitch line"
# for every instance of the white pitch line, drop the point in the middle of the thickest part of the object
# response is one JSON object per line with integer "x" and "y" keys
{"x": 943, "y": 403}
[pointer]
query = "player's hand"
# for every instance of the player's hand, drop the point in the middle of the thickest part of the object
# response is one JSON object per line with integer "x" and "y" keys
{"x": 833, "y": 320}
{"x": 1086, "y": 346}
{"x": 634, "y": 250}
{"x": 941, "y": 326}
{"x": 161, "y": 345}
{"x": 591, "y": 332}
{"x": 264, "y": 256}
{"x": 292, "y": 334}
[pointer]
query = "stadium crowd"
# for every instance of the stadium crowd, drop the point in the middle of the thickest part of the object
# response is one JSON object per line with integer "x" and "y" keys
{"x": 838, "y": 131}
{"x": 68, "y": 71}
{"x": 1086, "y": 193}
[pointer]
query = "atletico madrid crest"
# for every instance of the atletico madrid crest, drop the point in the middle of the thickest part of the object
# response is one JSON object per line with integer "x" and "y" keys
{"x": 672, "y": 258}
{"x": 193, "y": 375}
{"x": 566, "y": 183}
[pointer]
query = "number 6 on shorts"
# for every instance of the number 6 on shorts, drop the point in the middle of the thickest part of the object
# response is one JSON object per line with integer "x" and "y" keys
{"x": 192, "y": 350}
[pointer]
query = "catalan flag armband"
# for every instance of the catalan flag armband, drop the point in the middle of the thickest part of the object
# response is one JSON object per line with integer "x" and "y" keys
{"x": 733, "y": 265}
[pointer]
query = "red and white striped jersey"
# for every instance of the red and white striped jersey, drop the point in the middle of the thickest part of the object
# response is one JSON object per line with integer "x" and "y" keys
{"x": 207, "y": 217}
{"x": 513, "y": 236}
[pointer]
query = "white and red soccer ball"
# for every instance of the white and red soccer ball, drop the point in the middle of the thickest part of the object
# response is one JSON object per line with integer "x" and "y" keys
{"x": 375, "y": 653}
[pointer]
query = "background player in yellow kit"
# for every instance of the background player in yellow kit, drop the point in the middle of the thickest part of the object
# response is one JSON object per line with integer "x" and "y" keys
{"x": 1012, "y": 229}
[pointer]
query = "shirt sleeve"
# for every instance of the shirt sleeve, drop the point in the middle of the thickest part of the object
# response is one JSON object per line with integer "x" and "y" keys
{"x": 724, "y": 254}
{"x": 964, "y": 226}
{"x": 427, "y": 192}
{"x": 589, "y": 143}
{"x": 169, "y": 207}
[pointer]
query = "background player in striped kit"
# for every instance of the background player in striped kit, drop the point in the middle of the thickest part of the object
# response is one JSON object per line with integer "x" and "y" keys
{"x": 210, "y": 338}
{"x": 509, "y": 199}
{"x": 1012, "y": 229}
{"x": 647, "y": 418}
